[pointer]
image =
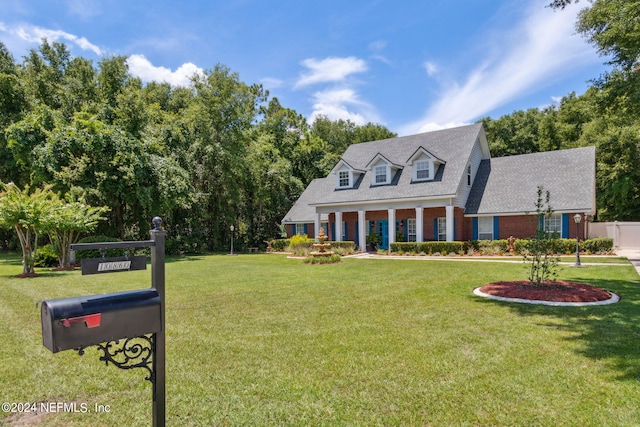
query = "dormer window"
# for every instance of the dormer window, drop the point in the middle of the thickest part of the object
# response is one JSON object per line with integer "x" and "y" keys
{"x": 381, "y": 174}
{"x": 344, "y": 179}
{"x": 382, "y": 170}
{"x": 422, "y": 169}
{"x": 346, "y": 176}
{"x": 424, "y": 165}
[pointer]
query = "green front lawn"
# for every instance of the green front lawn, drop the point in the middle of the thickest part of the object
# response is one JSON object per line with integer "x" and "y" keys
{"x": 265, "y": 340}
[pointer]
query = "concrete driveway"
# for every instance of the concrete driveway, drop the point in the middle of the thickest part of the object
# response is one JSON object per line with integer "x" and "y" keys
{"x": 633, "y": 255}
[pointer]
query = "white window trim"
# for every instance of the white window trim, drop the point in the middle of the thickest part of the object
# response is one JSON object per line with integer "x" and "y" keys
{"x": 412, "y": 234}
{"x": 374, "y": 175}
{"x": 486, "y": 234}
{"x": 557, "y": 219}
{"x": 349, "y": 171}
{"x": 349, "y": 179}
{"x": 431, "y": 165}
{"x": 442, "y": 224}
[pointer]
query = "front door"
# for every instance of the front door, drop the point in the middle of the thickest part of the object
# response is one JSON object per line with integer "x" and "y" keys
{"x": 383, "y": 232}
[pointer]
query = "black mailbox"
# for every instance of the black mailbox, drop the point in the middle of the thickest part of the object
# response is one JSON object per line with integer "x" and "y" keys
{"x": 73, "y": 323}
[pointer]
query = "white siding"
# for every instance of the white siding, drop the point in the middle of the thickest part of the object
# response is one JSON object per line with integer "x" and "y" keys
{"x": 463, "y": 188}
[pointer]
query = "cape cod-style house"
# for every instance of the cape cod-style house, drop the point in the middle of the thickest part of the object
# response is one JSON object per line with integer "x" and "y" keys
{"x": 444, "y": 185}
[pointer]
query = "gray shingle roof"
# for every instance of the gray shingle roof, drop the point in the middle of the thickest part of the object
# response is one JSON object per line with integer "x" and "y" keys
{"x": 451, "y": 145}
{"x": 302, "y": 211}
{"x": 509, "y": 184}
{"x": 502, "y": 186}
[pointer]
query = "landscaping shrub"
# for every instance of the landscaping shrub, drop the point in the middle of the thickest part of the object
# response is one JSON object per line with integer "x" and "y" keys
{"x": 279, "y": 245}
{"x": 47, "y": 256}
{"x": 404, "y": 247}
{"x": 331, "y": 259}
{"x": 429, "y": 247}
{"x": 492, "y": 247}
{"x": 500, "y": 247}
{"x": 599, "y": 245}
{"x": 300, "y": 244}
{"x": 343, "y": 248}
{"x": 95, "y": 253}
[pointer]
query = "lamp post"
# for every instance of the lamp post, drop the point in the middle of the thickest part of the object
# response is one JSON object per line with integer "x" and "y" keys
{"x": 231, "y": 228}
{"x": 577, "y": 218}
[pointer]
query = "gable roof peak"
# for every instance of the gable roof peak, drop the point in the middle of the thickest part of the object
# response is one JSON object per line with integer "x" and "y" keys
{"x": 343, "y": 162}
{"x": 378, "y": 157}
{"x": 421, "y": 150}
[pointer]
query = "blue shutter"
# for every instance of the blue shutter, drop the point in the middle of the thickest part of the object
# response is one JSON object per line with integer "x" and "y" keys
{"x": 346, "y": 231}
{"x": 305, "y": 228}
{"x": 565, "y": 226}
{"x": 454, "y": 229}
{"x": 435, "y": 228}
{"x": 406, "y": 230}
{"x": 474, "y": 228}
{"x": 293, "y": 230}
{"x": 357, "y": 234}
{"x": 496, "y": 229}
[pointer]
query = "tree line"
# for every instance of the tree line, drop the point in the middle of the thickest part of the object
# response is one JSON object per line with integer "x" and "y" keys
{"x": 222, "y": 152}
{"x": 218, "y": 153}
{"x": 606, "y": 116}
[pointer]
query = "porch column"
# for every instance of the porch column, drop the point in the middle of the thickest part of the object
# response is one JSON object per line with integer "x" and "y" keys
{"x": 449, "y": 223}
{"x": 316, "y": 226}
{"x": 338, "y": 226}
{"x": 419, "y": 224}
{"x": 392, "y": 227}
{"x": 362, "y": 238}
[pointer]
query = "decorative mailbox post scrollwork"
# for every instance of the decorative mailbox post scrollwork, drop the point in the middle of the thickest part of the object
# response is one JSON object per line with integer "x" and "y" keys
{"x": 127, "y": 327}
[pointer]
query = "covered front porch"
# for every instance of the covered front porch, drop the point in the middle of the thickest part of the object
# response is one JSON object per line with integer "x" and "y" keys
{"x": 414, "y": 224}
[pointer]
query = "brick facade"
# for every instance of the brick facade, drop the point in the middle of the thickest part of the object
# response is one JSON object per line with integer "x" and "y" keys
{"x": 518, "y": 226}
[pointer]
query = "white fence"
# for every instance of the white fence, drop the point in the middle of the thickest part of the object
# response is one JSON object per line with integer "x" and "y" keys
{"x": 624, "y": 234}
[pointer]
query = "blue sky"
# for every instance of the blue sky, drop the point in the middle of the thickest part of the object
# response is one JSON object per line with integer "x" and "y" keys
{"x": 412, "y": 65}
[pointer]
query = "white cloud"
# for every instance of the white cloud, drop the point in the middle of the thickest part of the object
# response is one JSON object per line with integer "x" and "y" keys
{"x": 537, "y": 52}
{"x": 271, "y": 83}
{"x": 333, "y": 104}
{"x": 339, "y": 100}
{"x": 85, "y": 9}
{"x": 432, "y": 69}
{"x": 329, "y": 70}
{"x": 33, "y": 34}
{"x": 141, "y": 67}
{"x": 377, "y": 45}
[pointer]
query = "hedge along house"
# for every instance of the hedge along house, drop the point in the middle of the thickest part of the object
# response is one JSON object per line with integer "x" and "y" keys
{"x": 444, "y": 185}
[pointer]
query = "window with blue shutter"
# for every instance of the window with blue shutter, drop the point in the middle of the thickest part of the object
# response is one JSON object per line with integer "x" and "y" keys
{"x": 565, "y": 226}
{"x": 474, "y": 228}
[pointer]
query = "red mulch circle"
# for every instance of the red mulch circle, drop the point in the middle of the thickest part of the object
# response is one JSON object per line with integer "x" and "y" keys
{"x": 557, "y": 291}
{"x": 27, "y": 275}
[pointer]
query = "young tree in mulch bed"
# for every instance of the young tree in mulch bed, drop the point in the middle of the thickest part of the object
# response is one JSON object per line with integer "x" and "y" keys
{"x": 540, "y": 251}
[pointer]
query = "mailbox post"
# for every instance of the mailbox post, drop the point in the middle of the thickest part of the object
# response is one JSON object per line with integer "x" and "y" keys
{"x": 158, "y": 236}
{"x": 104, "y": 320}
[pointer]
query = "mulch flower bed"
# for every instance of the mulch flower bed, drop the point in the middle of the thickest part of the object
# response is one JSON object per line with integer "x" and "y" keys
{"x": 556, "y": 291}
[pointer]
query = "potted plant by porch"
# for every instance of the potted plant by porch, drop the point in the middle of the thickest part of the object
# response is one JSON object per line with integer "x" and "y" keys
{"x": 373, "y": 241}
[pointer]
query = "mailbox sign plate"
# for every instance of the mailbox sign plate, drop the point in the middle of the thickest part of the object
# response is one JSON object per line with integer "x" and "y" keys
{"x": 113, "y": 264}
